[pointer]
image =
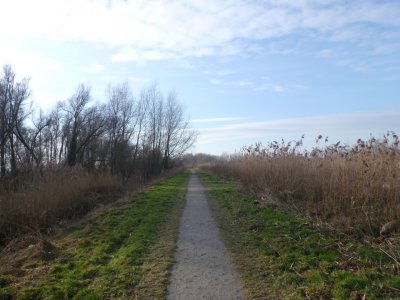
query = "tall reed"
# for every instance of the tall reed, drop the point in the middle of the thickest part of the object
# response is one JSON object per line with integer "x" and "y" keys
{"x": 47, "y": 199}
{"x": 354, "y": 188}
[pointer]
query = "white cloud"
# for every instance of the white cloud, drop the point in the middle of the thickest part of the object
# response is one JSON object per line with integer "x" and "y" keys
{"x": 47, "y": 100}
{"x": 183, "y": 64}
{"x": 95, "y": 68}
{"x": 141, "y": 56}
{"x": 30, "y": 64}
{"x": 264, "y": 85}
{"x": 144, "y": 30}
{"x": 298, "y": 86}
{"x": 109, "y": 77}
{"x": 125, "y": 76}
{"x": 223, "y": 119}
{"x": 350, "y": 126}
{"x": 224, "y": 72}
{"x": 326, "y": 53}
{"x": 139, "y": 80}
{"x": 243, "y": 83}
{"x": 270, "y": 87}
{"x": 215, "y": 81}
{"x": 238, "y": 83}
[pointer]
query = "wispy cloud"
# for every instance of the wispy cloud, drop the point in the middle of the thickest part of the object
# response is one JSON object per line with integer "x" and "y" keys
{"x": 29, "y": 63}
{"x": 152, "y": 30}
{"x": 265, "y": 84}
{"x": 95, "y": 68}
{"x": 125, "y": 76}
{"x": 270, "y": 87}
{"x": 224, "y": 72}
{"x": 351, "y": 126}
{"x": 141, "y": 56}
{"x": 109, "y": 77}
{"x": 139, "y": 80}
{"x": 223, "y": 119}
{"x": 326, "y": 53}
{"x": 237, "y": 83}
{"x": 298, "y": 86}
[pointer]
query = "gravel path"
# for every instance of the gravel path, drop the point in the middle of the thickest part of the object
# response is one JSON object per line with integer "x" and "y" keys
{"x": 203, "y": 269}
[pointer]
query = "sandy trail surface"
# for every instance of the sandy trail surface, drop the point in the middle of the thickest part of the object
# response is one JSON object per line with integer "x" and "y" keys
{"x": 203, "y": 269}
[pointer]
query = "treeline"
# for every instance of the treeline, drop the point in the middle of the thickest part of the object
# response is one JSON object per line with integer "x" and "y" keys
{"x": 60, "y": 164}
{"x": 127, "y": 135}
{"x": 199, "y": 159}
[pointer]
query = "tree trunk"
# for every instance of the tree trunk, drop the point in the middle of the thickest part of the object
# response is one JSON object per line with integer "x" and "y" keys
{"x": 12, "y": 153}
{"x": 73, "y": 146}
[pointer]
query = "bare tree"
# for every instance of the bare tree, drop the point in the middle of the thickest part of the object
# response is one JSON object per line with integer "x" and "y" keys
{"x": 93, "y": 127}
{"x": 6, "y": 83}
{"x": 121, "y": 125}
{"x": 55, "y": 134}
{"x": 13, "y": 96}
{"x": 86, "y": 123}
{"x": 142, "y": 136}
{"x": 139, "y": 125}
{"x": 178, "y": 137}
{"x": 154, "y": 127}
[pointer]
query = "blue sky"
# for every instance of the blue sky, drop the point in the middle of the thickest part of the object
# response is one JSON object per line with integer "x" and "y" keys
{"x": 245, "y": 71}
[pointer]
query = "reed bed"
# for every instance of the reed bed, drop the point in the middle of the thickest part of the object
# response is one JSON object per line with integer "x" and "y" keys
{"x": 50, "y": 198}
{"x": 353, "y": 189}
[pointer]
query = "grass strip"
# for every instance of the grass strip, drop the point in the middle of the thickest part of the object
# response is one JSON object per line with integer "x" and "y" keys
{"x": 280, "y": 256}
{"x": 121, "y": 251}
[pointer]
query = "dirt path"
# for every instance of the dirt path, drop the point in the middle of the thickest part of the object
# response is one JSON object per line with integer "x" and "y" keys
{"x": 203, "y": 269}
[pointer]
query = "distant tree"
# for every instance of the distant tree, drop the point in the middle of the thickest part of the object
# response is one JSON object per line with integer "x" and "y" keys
{"x": 178, "y": 137}
{"x": 154, "y": 127}
{"x": 13, "y": 97}
{"x": 128, "y": 136}
{"x": 121, "y": 113}
{"x": 86, "y": 123}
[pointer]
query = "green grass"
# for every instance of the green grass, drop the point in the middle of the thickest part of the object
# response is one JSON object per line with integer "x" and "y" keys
{"x": 280, "y": 256}
{"x": 123, "y": 250}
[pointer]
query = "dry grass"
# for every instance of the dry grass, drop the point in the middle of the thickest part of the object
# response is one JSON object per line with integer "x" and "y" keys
{"x": 353, "y": 189}
{"x": 121, "y": 250}
{"x": 45, "y": 200}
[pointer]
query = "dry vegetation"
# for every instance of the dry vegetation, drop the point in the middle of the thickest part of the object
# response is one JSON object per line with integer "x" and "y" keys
{"x": 280, "y": 255}
{"x": 45, "y": 200}
{"x": 351, "y": 189}
{"x": 121, "y": 250}
{"x": 59, "y": 164}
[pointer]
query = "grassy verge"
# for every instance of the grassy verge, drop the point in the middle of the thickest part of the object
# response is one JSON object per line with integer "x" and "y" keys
{"x": 280, "y": 256}
{"x": 123, "y": 250}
